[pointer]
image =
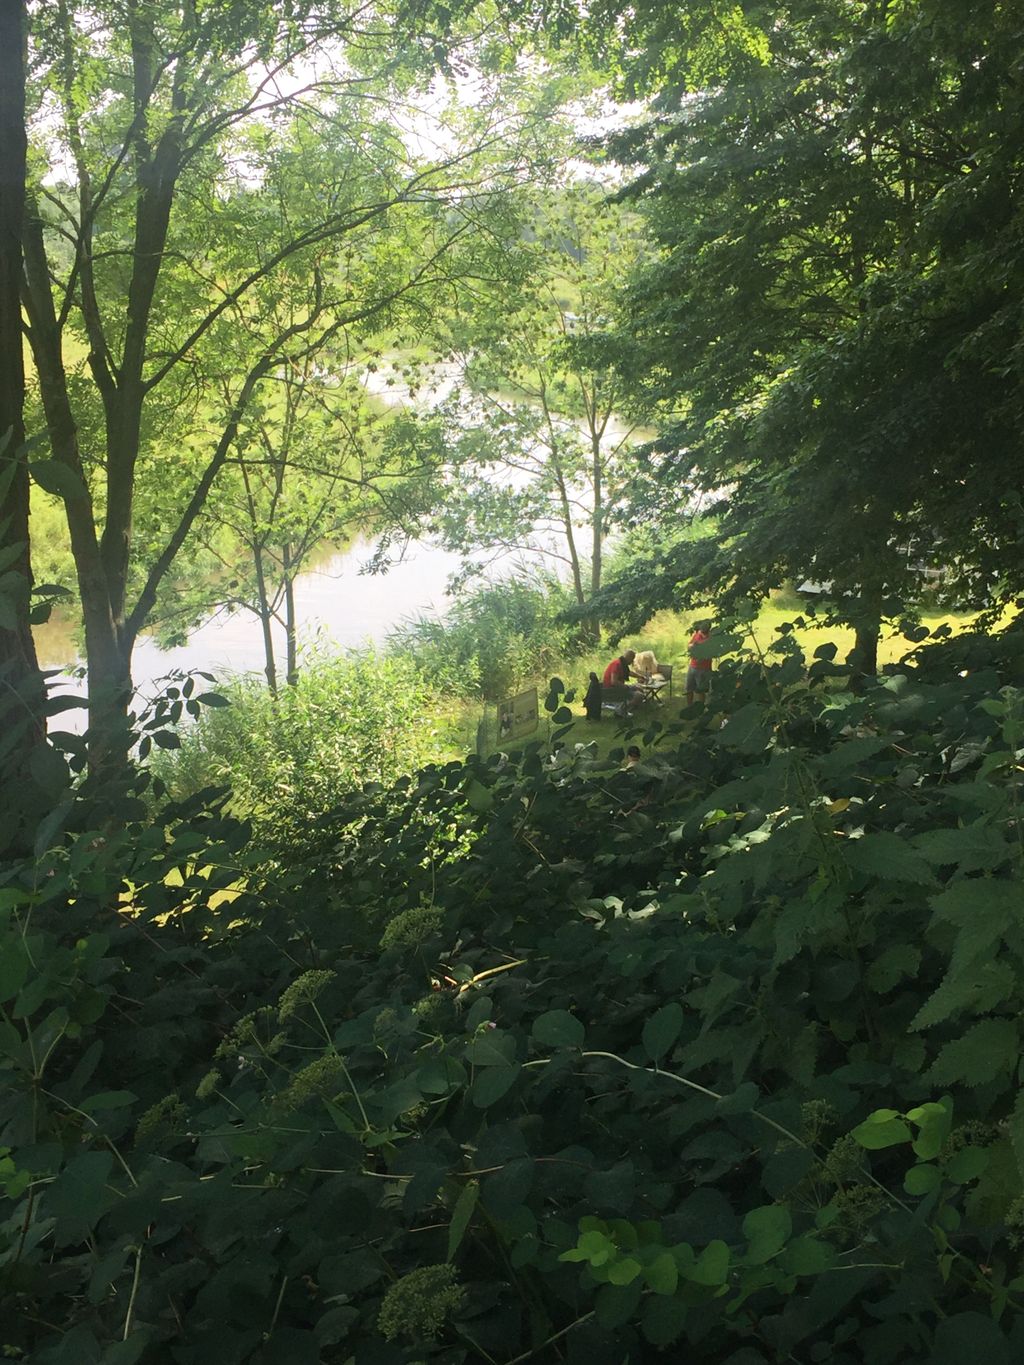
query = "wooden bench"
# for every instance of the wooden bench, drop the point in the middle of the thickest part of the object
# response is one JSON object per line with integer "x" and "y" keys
{"x": 614, "y": 697}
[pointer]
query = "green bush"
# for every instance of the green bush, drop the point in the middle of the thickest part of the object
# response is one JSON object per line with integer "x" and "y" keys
{"x": 350, "y": 720}
{"x": 495, "y": 639}
{"x": 725, "y": 1055}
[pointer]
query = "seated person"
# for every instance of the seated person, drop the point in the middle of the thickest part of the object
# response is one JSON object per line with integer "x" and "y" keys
{"x": 618, "y": 671}
{"x": 645, "y": 667}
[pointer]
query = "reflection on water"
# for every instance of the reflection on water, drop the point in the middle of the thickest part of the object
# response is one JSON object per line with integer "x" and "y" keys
{"x": 348, "y": 608}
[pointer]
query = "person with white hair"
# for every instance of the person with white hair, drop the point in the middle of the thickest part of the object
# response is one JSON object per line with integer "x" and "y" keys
{"x": 645, "y": 667}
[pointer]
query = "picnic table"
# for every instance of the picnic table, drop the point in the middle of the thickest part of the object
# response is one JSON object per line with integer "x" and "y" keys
{"x": 649, "y": 690}
{"x": 617, "y": 696}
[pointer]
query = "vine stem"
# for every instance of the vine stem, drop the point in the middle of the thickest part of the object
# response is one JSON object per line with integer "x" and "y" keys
{"x": 135, "y": 1289}
{"x": 344, "y": 1069}
{"x": 491, "y": 971}
{"x": 277, "y": 1307}
{"x": 528, "y": 1355}
{"x": 680, "y": 1080}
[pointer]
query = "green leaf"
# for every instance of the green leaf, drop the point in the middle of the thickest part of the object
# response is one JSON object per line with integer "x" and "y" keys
{"x": 662, "y": 1274}
{"x": 766, "y": 1230}
{"x": 976, "y": 848}
{"x": 662, "y": 1030}
{"x": 10, "y": 554}
{"x": 493, "y": 1047}
{"x": 211, "y": 699}
{"x": 711, "y": 1266}
{"x": 966, "y": 1339}
{"x": 987, "y": 1050}
{"x": 56, "y": 478}
{"x": 933, "y": 1122}
{"x": 127, "y": 1352}
{"x": 624, "y": 1270}
{"x": 80, "y": 1196}
{"x": 922, "y": 1180}
{"x": 462, "y": 1215}
{"x": 888, "y": 856}
{"x": 896, "y": 962}
{"x": 1016, "y": 1126}
{"x": 558, "y": 1028}
{"x": 615, "y": 1304}
{"x": 479, "y": 797}
{"x": 966, "y": 1165}
{"x": 479, "y": 1013}
{"x": 14, "y": 965}
{"x": 741, "y": 1101}
{"x": 49, "y": 770}
{"x": 493, "y": 1083}
{"x": 107, "y": 1099}
{"x": 807, "y": 1256}
{"x": 664, "y": 1318}
{"x": 883, "y": 1128}
{"x": 594, "y": 1246}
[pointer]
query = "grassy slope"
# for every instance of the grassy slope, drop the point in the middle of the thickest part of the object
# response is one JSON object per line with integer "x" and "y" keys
{"x": 667, "y": 634}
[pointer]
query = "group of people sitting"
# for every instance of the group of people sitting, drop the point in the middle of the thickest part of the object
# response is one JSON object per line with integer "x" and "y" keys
{"x": 642, "y": 669}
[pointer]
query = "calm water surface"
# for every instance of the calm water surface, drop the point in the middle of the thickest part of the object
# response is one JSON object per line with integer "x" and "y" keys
{"x": 334, "y": 602}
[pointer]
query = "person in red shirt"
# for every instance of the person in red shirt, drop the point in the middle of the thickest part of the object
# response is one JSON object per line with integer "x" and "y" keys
{"x": 698, "y": 675}
{"x": 618, "y": 670}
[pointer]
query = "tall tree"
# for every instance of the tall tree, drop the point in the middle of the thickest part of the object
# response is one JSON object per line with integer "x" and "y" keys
{"x": 313, "y": 466}
{"x": 536, "y": 424}
{"x": 832, "y": 326}
{"x": 22, "y": 701}
{"x": 199, "y": 158}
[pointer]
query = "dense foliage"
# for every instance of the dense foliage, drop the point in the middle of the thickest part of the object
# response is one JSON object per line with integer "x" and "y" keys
{"x": 289, "y": 759}
{"x": 494, "y": 639}
{"x": 831, "y": 329}
{"x": 523, "y": 1056}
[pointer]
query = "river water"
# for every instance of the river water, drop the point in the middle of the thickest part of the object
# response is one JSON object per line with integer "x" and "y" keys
{"x": 334, "y": 602}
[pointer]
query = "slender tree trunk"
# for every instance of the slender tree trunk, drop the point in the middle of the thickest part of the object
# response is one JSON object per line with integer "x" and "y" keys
{"x": 291, "y": 627}
{"x": 22, "y": 683}
{"x": 563, "y": 502}
{"x": 265, "y": 613}
{"x": 596, "y": 528}
{"x": 266, "y": 619}
{"x": 107, "y": 655}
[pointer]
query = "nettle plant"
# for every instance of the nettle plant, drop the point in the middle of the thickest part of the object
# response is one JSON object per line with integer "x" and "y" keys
{"x": 718, "y": 1054}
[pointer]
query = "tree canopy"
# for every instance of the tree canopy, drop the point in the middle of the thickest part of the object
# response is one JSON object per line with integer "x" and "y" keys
{"x": 832, "y": 326}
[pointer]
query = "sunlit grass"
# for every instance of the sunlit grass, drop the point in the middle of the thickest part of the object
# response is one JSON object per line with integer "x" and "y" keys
{"x": 668, "y": 635}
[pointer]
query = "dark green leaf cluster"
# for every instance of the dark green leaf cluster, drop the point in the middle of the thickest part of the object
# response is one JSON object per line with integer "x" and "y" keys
{"x": 832, "y": 324}
{"x": 718, "y": 1053}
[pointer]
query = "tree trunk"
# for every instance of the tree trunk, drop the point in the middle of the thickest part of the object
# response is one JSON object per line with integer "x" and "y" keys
{"x": 265, "y": 613}
{"x": 291, "y": 629}
{"x": 864, "y": 655}
{"x": 107, "y": 655}
{"x": 867, "y": 625}
{"x": 596, "y": 529}
{"x": 24, "y": 724}
{"x": 266, "y": 624}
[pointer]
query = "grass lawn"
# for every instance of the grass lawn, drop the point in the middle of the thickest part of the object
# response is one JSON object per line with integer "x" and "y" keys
{"x": 668, "y": 634}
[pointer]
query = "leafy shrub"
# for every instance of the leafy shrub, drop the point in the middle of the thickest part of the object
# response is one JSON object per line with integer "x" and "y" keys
{"x": 496, "y": 638}
{"x": 349, "y": 720}
{"x": 726, "y": 1055}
